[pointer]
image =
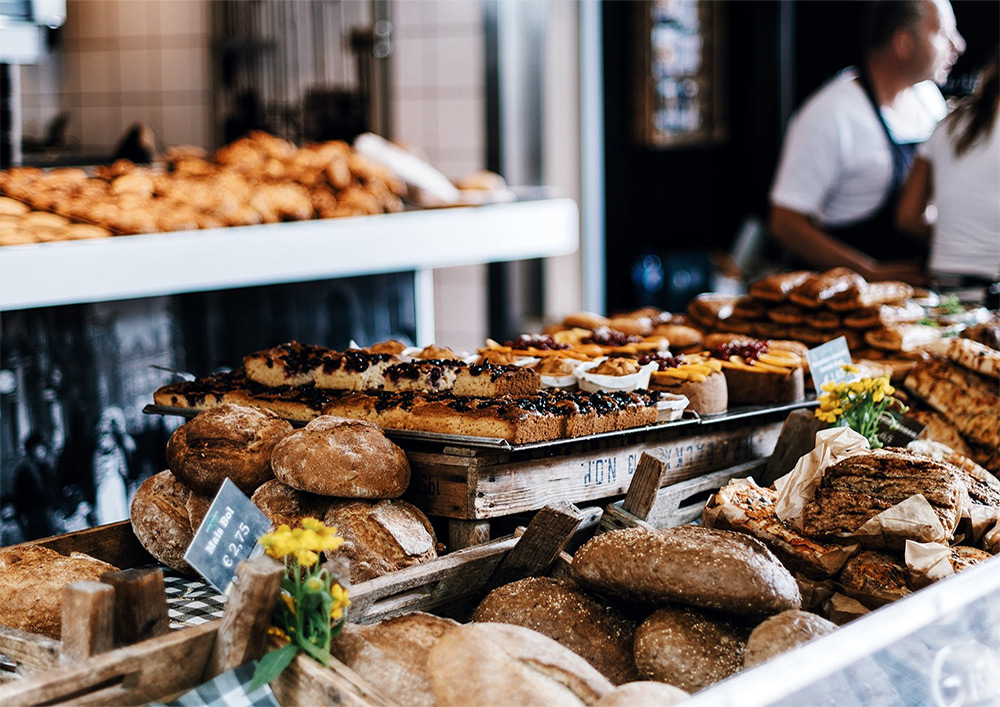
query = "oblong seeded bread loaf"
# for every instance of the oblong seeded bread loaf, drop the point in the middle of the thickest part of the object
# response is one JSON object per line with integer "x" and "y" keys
{"x": 587, "y": 626}
{"x": 335, "y": 456}
{"x": 713, "y": 569}
{"x": 689, "y": 648}
{"x": 231, "y": 441}
{"x": 393, "y": 654}
{"x": 499, "y": 664}
{"x": 31, "y": 582}
{"x": 783, "y": 632}
{"x": 381, "y": 537}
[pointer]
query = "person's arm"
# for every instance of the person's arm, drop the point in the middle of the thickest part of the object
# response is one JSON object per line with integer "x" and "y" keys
{"x": 913, "y": 200}
{"x": 799, "y": 234}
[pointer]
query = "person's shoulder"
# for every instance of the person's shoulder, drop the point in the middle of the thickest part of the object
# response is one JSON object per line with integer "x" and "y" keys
{"x": 839, "y": 94}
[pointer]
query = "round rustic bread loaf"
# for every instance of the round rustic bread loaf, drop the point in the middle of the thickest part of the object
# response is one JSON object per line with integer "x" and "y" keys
{"x": 226, "y": 441}
{"x": 381, "y": 537}
{"x": 587, "y": 626}
{"x": 495, "y": 664}
{"x": 283, "y": 504}
{"x": 165, "y": 516}
{"x": 643, "y": 693}
{"x": 31, "y": 582}
{"x": 393, "y": 655}
{"x": 689, "y": 648}
{"x": 334, "y": 456}
{"x": 783, "y": 632}
{"x": 713, "y": 569}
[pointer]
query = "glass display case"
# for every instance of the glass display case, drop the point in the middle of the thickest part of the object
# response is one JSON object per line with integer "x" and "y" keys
{"x": 939, "y": 646}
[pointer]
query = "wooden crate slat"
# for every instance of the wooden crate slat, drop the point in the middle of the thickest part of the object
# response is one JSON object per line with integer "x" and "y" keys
{"x": 307, "y": 682}
{"x": 31, "y": 650}
{"x": 114, "y": 543}
{"x": 516, "y": 486}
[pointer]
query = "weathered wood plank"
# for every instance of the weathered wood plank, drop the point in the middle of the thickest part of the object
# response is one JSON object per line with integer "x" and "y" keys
{"x": 140, "y": 604}
{"x": 797, "y": 438}
{"x": 243, "y": 633}
{"x": 88, "y": 611}
{"x": 115, "y": 544}
{"x": 536, "y": 550}
{"x": 524, "y": 485}
{"x": 134, "y": 675}
{"x": 615, "y": 518}
{"x": 306, "y": 682}
{"x": 466, "y": 533}
{"x": 30, "y": 650}
{"x": 646, "y": 482}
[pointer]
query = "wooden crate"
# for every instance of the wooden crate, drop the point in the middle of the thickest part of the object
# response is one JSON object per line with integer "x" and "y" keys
{"x": 471, "y": 486}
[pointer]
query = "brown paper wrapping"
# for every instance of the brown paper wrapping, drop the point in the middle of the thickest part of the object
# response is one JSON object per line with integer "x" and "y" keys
{"x": 912, "y": 519}
{"x": 797, "y": 487}
{"x": 991, "y": 541}
{"x": 815, "y": 592}
{"x": 985, "y": 519}
{"x": 840, "y": 609}
{"x": 927, "y": 562}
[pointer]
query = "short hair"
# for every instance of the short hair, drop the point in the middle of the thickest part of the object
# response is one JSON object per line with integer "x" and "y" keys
{"x": 884, "y": 17}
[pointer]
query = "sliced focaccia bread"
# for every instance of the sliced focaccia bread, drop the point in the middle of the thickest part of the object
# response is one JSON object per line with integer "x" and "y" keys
{"x": 286, "y": 364}
{"x": 203, "y": 393}
{"x": 353, "y": 369}
{"x": 972, "y": 355}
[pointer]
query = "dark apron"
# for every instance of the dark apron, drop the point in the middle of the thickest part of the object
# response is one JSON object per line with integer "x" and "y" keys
{"x": 877, "y": 235}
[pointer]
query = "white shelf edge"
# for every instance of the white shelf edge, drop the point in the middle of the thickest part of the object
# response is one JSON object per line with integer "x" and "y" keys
{"x": 48, "y": 274}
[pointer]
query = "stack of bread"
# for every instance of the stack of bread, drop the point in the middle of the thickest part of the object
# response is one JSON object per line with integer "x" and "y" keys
{"x": 877, "y": 319}
{"x": 256, "y": 179}
{"x": 344, "y": 472}
{"x": 858, "y": 541}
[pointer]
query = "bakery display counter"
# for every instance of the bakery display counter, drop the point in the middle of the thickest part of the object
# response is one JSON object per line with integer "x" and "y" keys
{"x": 939, "y": 646}
{"x": 47, "y": 274}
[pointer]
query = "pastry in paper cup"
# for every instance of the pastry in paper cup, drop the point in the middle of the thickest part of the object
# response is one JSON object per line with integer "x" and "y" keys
{"x": 430, "y": 352}
{"x": 614, "y": 374}
{"x": 556, "y": 371}
{"x": 670, "y": 407}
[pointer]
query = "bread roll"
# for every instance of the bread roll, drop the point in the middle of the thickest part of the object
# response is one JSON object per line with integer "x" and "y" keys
{"x": 334, "y": 456}
{"x": 783, "y": 632}
{"x": 713, "y": 569}
{"x": 283, "y": 504}
{"x": 31, "y": 582}
{"x": 165, "y": 516}
{"x": 494, "y": 664}
{"x": 226, "y": 441}
{"x": 874, "y": 578}
{"x": 571, "y": 617}
{"x": 585, "y": 320}
{"x": 381, "y": 537}
{"x": 643, "y": 693}
{"x": 689, "y": 648}
{"x": 393, "y": 654}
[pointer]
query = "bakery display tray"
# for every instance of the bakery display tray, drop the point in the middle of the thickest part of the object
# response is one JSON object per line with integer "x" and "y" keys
{"x": 689, "y": 418}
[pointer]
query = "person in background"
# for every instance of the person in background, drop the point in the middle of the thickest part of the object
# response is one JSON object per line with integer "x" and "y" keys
{"x": 847, "y": 151}
{"x": 958, "y": 172}
{"x": 10, "y": 529}
{"x": 34, "y": 494}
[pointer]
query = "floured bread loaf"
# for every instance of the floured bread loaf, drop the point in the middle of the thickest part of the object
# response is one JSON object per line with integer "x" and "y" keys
{"x": 713, "y": 569}
{"x": 689, "y": 648}
{"x": 381, "y": 537}
{"x": 493, "y": 664}
{"x": 31, "y": 582}
{"x": 229, "y": 441}
{"x": 642, "y": 693}
{"x": 568, "y": 615}
{"x": 165, "y": 516}
{"x": 783, "y": 632}
{"x": 284, "y": 505}
{"x": 333, "y": 456}
{"x": 393, "y": 655}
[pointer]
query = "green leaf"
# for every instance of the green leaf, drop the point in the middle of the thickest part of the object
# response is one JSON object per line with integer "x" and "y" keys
{"x": 271, "y": 665}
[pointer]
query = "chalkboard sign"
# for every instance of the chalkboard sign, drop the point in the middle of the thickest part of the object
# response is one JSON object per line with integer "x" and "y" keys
{"x": 227, "y": 536}
{"x": 897, "y": 430}
{"x": 826, "y": 363}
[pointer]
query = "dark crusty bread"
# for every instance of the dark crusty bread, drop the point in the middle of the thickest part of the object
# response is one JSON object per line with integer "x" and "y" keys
{"x": 165, "y": 516}
{"x": 689, "y": 648}
{"x": 227, "y": 441}
{"x": 713, "y": 569}
{"x": 494, "y": 664}
{"x": 31, "y": 582}
{"x": 643, "y": 693}
{"x": 874, "y": 578}
{"x": 783, "y": 632}
{"x": 333, "y": 456}
{"x": 381, "y": 537}
{"x": 393, "y": 654}
{"x": 860, "y": 487}
{"x": 283, "y": 504}
{"x": 568, "y": 615}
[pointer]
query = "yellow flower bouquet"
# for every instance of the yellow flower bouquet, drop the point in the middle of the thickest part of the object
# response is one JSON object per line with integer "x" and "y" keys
{"x": 858, "y": 404}
{"x": 311, "y": 609}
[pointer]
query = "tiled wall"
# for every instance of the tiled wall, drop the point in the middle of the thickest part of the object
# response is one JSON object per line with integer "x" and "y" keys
{"x": 123, "y": 61}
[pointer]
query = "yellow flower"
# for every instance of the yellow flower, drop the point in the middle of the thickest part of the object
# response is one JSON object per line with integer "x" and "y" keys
{"x": 313, "y": 524}
{"x": 279, "y": 634}
{"x": 340, "y": 601}
{"x": 314, "y": 585}
{"x": 307, "y": 558}
{"x": 859, "y": 386}
{"x": 829, "y": 387}
{"x": 289, "y": 601}
{"x": 849, "y": 367}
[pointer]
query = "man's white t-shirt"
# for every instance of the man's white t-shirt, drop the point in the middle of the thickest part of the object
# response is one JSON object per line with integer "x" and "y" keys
{"x": 966, "y": 192}
{"x": 835, "y": 164}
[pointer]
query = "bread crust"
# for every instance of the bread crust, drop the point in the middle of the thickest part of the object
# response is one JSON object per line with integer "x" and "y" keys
{"x": 590, "y": 628}
{"x": 748, "y": 387}
{"x": 712, "y": 569}
{"x": 707, "y": 397}
{"x": 334, "y": 456}
{"x": 775, "y": 288}
{"x": 783, "y": 632}
{"x": 161, "y": 517}
{"x": 284, "y": 505}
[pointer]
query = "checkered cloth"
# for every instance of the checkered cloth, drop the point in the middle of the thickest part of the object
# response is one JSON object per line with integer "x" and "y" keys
{"x": 191, "y": 601}
{"x": 229, "y": 690}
